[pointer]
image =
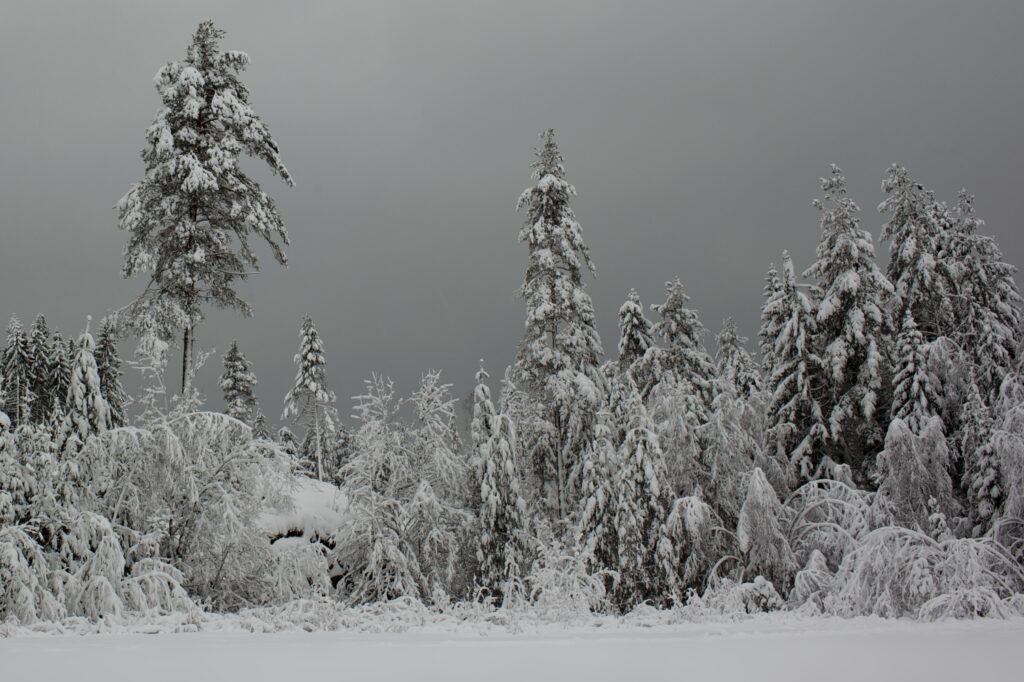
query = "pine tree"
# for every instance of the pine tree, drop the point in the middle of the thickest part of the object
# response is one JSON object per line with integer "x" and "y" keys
{"x": 86, "y": 411}
{"x": 62, "y": 354}
{"x": 987, "y": 304}
{"x": 681, "y": 330}
{"x": 191, "y": 217}
{"x": 238, "y": 382}
{"x": 596, "y": 532}
{"x": 850, "y": 336}
{"x": 108, "y": 364}
{"x": 982, "y": 475}
{"x": 17, "y": 370}
{"x": 913, "y": 232}
{"x": 40, "y": 350}
{"x": 310, "y": 402}
{"x": 500, "y": 549}
{"x": 638, "y": 354}
{"x": 769, "y": 326}
{"x": 643, "y": 501}
{"x": 260, "y": 430}
{"x": 796, "y": 424}
{"x": 734, "y": 363}
{"x": 558, "y": 357}
{"x": 915, "y": 396}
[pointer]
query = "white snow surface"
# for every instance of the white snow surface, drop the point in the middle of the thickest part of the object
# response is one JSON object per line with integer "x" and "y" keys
{"x": 765, "y": 649}
{"x": 318, "y": 510}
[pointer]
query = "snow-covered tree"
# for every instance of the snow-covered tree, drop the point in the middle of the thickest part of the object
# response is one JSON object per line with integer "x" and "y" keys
{"x": 987, "y": 304}
{"x": 681, "y": 330}
{"x": 596, "y": 532}
{"x": 558, "y": 356}
{"x": 86, "y": 410}
{"x": 850, "y": 336}
{"x": 734, "y": 363}
{"x": 108, "y": 364}
{"x": 309, "y": 402}
{"x": 769, "y": 325}
{"x": 61, "y": 356}
{"x": 913, "y": 470}
{"x": 17, "y": 371}
{"x": 237, "y": 383}
{"x": 638, "y": 354}
{"x": 915, "y": 397}
{"x": 647, "y": 556}
{"x": 502, "y": 511}
{"x": 913, "y": 234}
{"x": 260, "y": 430}
{"x": 797, "y": 429}
{"x": 761, "y": 535}
{"x": 982, "y": 478}
{"x": 40, "y": 350}
{"x": 192, "y": 216}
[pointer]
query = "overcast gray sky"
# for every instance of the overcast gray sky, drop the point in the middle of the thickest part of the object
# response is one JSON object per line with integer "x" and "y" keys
{"x": 695, "y": 133}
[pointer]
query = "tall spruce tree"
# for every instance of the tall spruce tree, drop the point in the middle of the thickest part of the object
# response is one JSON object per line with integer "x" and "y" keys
{"x": 108, "y": 364}
{"x": 681, "y": 330}
{"x": 558, "y": 357}
{"x": 734, "y": 363}
{"x": 18, "y": 379}
{"x": 40, "y": 350}
{"x": 191, "y": 217}
{"x": 638, "y": 355}
{"x": 850, "y": 337}
{"x": 797, "y": 429}
{"x": 309, "y": 402}
{"x": 987, "y": 302}
{"x": 237, "y": 383}
{"x": 647, "y": 557}
{"x": 502, "y": 512}
{"x": 766, "y": 335}
{"x": 913, "y": 233}
{"x": 62, "y": 355}
{"x": 86, "y": 411}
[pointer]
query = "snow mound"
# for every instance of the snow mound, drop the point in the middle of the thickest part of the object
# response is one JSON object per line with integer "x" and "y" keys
{"x": 318, "y": 510}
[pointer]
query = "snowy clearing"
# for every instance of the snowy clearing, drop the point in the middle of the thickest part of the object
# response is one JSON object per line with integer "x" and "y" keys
{"x": 763, "y": 649}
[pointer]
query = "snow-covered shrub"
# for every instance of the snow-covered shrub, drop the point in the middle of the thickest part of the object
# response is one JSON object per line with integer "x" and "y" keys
{"x": 913, "y": 469}
{"x": 700, "y": 538}
{"x": 560, "y": 587}
{"x": 732, "y": 598}
{"x": 897, "y": 571}
{"x": 761, "y": 535}
{"x": 829, "y": 517}
{"x": 406, "y": 530}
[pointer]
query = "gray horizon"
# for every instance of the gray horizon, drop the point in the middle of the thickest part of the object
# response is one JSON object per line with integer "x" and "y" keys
{"x": 695, "y": 134}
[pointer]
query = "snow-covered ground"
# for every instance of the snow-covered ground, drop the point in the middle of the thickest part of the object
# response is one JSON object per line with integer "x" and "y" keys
{"x": 759, "y": 649}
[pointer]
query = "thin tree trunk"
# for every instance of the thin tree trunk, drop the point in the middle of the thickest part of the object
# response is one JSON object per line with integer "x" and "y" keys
{"x": 186, "y": 359}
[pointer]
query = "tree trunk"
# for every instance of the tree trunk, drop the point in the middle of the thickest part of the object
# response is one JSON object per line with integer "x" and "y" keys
{"x": 186, "y": 359}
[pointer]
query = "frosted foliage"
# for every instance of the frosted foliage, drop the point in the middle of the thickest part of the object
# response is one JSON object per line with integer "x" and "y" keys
{"x": 770, "y": 323}
{"x": 698, "y": 534}
{"x": 596, "y": 533}
{"x": 851, "y": 320}
{"x": 192, "y": 216}
{"x": 108, "y": 365}
{"x": 405, "y": 530}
